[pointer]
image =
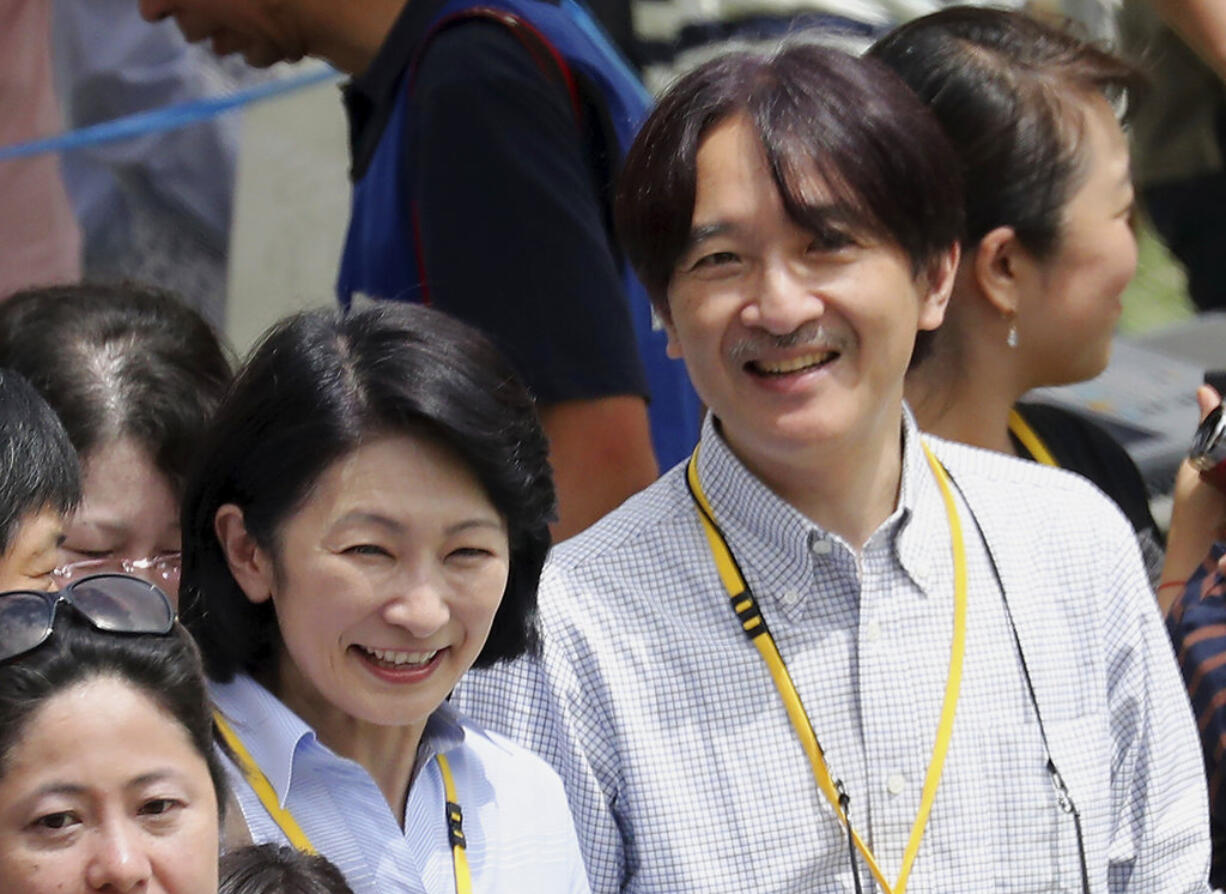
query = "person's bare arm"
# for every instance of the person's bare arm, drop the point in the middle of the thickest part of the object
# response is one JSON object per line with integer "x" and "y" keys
{"x": 601, "y": 454}
{"x": 1202, "y": 26}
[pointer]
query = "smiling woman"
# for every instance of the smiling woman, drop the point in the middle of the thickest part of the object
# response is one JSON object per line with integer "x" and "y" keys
{"x": 369, "y": 522}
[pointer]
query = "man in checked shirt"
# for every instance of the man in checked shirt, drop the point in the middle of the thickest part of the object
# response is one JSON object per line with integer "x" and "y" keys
{"x": 832, "y": 654}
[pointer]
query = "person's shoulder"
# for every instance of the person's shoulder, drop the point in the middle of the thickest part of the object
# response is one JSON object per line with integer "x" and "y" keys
{"x": 474, "y": 50}
{"x": 981, "y": 467}
{"x": 1085, "y": 442}
{"x": 518, "y": 774}
{"x": 634, "y": 528}
{"x": 1026, "y": 489}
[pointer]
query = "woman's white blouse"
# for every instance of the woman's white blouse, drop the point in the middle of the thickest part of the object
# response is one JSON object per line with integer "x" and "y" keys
{"x": 519, "y": 832}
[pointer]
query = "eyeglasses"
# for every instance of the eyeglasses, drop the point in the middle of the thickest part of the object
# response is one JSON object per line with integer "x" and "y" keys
{"x": 112, "y": 603}
{"x": 162, "y": 569}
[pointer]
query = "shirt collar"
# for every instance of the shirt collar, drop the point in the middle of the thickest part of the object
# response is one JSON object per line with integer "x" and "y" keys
{"x": 758, "y": 522}
{"x": 922, "y": 540}
{"x": 270, "y": 732}
{"x": 275, "y": 736}
{"x": 444, "y": 732}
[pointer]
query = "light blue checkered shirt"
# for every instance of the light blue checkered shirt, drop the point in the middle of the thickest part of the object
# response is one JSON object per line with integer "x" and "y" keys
{"x": 684, "y": 773}
{"x": 519, "y": 832}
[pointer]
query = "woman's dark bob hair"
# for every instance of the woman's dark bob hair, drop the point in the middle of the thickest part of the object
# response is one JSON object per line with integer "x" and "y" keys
{"x": 318, "y": 386}
{"x": 164, "y": 668}
{"x": 119, "y": 360}
{"x": 1008, "y": 91}
{"x": 874, "y": 148}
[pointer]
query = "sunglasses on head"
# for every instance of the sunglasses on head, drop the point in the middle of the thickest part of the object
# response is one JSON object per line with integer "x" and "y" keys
{"x": 112, "y": 603}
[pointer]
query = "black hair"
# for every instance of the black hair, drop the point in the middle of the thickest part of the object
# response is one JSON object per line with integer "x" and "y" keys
{"x": 119, "y": 360}
{"x": 1007, "y": 90}
{"x": 38, "y": 468}
{"x": 166, "y": 669}
{"x": 815, "y": 110}
{"x": 278, "y": 869}
{"x": 318, "y": 386}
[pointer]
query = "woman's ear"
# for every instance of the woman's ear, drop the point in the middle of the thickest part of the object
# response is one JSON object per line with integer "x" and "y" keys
{"x": 250, "y": 565}
{"x": 999, "y": 267}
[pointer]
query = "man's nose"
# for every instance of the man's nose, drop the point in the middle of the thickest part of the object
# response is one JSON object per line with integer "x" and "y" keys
{"x": 783, "y": 303}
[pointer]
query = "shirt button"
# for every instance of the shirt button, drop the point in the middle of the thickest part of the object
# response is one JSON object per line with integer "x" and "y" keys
{"x": 895, "y": 784}
{"x": 790, "y": 597}
{"x": 821, "y": 546}
{"x": 873, "y": 631}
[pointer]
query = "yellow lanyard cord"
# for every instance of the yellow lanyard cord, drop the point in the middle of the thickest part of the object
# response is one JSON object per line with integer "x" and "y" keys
{"x": 1030, "y": 439}
{"x": 455, "y": 829}
{"x": 754, "y": 625}
{"x": 293, "y": 832}
{"x": 263, "y": 788}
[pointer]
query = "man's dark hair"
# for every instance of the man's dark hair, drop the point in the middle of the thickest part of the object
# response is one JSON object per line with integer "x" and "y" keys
{"x": 166, "y": 669}
{"x": 317, "y": 387}
{"x": 278, "y": 869}
{"x": 119, "y": 360}
{"x": 1007, "y": 91}
{"x": 816, "y": 111}
{"x": 38, "y": 467}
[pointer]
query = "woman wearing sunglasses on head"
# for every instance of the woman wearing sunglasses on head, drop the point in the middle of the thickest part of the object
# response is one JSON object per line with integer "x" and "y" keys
{"x": 134, "y": 375}
{"x": 108, "y": 776}
{"x": 369, "y": 521}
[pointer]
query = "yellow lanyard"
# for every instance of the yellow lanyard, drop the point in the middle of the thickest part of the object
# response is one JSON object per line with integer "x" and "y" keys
{"x": 1030, "y": 439}
{"x": 746, "y": 608}
{"x": 293, "y": 832}
{"x": 455, "y": 830}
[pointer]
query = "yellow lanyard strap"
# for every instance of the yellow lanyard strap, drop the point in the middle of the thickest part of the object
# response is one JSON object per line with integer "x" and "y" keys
{"x": 263, "y": 788}
{"x": 293, "y": 832}
{"x": 745, "y": 606}
{"x": 455, "y": 829}
{"x": 1030, "y": 439}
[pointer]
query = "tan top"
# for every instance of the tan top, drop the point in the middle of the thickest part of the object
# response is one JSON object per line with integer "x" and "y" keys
{"x": 39, "y": 239}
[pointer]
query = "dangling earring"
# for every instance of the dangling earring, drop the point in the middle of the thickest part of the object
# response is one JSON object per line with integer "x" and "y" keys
{"x": 1011, "y": 335}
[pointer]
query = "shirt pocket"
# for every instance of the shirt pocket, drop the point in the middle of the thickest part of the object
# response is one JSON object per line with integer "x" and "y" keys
{"x": 1035, "y": 834}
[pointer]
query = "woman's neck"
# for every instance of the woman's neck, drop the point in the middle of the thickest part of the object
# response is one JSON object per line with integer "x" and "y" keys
{"x": 387, "y": 753}
{"x": 967, "y": 399}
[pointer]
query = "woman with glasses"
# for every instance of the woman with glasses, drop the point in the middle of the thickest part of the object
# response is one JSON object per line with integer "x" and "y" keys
{"x": 109, "y": 780}
{"x": 369, "y": 521}
{"x": 134, "y": 375}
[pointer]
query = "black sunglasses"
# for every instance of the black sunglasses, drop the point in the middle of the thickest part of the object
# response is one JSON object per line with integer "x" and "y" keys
{"x": 112, "y": 603}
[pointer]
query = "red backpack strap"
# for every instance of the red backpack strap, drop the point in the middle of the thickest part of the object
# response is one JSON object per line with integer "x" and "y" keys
{"x": 546, "y": 56}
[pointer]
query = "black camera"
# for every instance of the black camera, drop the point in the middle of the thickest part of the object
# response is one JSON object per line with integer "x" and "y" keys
{"x": 1208, "y": 453}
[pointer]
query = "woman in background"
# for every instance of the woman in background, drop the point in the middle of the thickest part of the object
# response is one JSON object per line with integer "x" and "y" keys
{"x": 1049, "y": 244}
{"x": 134, "y": 374}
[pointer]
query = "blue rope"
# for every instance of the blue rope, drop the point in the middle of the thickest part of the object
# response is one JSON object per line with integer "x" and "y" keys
{"x": 170, "y": 117}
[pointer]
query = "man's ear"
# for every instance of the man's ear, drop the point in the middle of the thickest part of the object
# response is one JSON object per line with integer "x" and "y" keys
{"x": 1000, "y": 265}
{"x": 250, "y": 565}
{"x": 662, "y": 317}
{"x": 937, "y": 282}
